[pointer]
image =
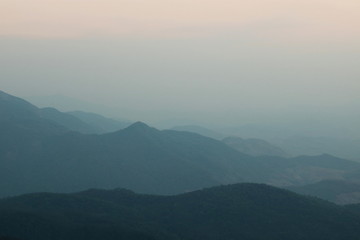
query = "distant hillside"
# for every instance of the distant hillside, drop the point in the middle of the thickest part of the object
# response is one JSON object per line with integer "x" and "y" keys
{"x": 254, "y": 147}
{"x": 19, "y": 117}
{"x": 241, "y": 211}
{"x": 342, "y": 147}
{"x": 17, "y": 109}
{"x": 337, "y": 191}
{"x": 69, "y": 121}
{"x": 17, "y": 112}
{"x": 103, "y": 124}
{"x": 47, "y": 156}
{"x": 200, "y": 130}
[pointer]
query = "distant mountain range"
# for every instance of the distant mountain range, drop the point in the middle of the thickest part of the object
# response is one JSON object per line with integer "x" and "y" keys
{"x": 200, "y": 130}
{"x": 304, "y": 139}
{"x": 252, "y": 146}
{"x": 48, "y": 150}
{"x": 101, "y": 123}
{"x": 16, "y": 109}
{"x": 240, "y": 211}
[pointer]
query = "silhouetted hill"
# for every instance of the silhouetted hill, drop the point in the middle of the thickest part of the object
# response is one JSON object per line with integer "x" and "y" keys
{"x": 254, "y": 147}
{"x": 337, "y": 191}
{"x": 103, "y": 124}
{"x": 241, "y": 211}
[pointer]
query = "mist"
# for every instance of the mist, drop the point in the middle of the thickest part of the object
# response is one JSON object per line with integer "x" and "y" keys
{"x": 188, "y": 62}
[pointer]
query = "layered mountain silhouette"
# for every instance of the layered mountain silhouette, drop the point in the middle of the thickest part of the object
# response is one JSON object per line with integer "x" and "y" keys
{"x": 254, "y": 147}
{"x": 42, "y": 153}
{"x": 240, "y": 211}
{"x": 200, "y": 130}
{"x": 99, "y": 122}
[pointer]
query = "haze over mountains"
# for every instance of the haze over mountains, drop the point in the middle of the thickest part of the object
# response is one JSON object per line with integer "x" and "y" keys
{"x": 49, "y": 151}
{"x": 297, "y": 133}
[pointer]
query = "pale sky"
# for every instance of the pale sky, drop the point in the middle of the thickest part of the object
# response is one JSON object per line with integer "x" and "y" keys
{"x": 312, "y": 19}
{"x": 232, "y": 61}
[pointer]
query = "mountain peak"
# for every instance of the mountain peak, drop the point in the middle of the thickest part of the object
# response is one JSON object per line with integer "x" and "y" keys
{"x": 138, "y": 125}
{"x": 139, "y": 128}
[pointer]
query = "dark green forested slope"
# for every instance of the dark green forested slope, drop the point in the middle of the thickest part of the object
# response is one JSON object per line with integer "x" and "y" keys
{"x": 241, "y": 211}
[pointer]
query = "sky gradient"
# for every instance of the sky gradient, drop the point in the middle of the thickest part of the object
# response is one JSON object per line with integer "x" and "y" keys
{"x": 228, "y": 61}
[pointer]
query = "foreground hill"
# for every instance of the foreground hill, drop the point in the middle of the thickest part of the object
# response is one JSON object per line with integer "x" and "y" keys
{"x": 241, "y": 211}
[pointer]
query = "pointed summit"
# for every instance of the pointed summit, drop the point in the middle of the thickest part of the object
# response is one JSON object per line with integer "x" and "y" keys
{"x": 138, "y": 125}
{"x": 139, "y": 128}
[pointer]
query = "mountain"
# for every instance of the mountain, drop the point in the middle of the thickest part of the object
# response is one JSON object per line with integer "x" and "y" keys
{"x": 17, "y": 112}
{"x": 69, "y": 121}
{"x": 49, "y": 157}
{"x": 199, "y": 130}
{"x": 19, "y": 117}
{"x": 343, "y": 147}
{"x": 103, "y": 124}
{"x": 305, "y": 170}
{"x": 17, "y": 109}
{"x": 304, "y": 138}
{"x": 139, "y": 157}
{"x": 254, "y": 147}
{"x": 337, "y": 191}
{"x": 240, "y": 211}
